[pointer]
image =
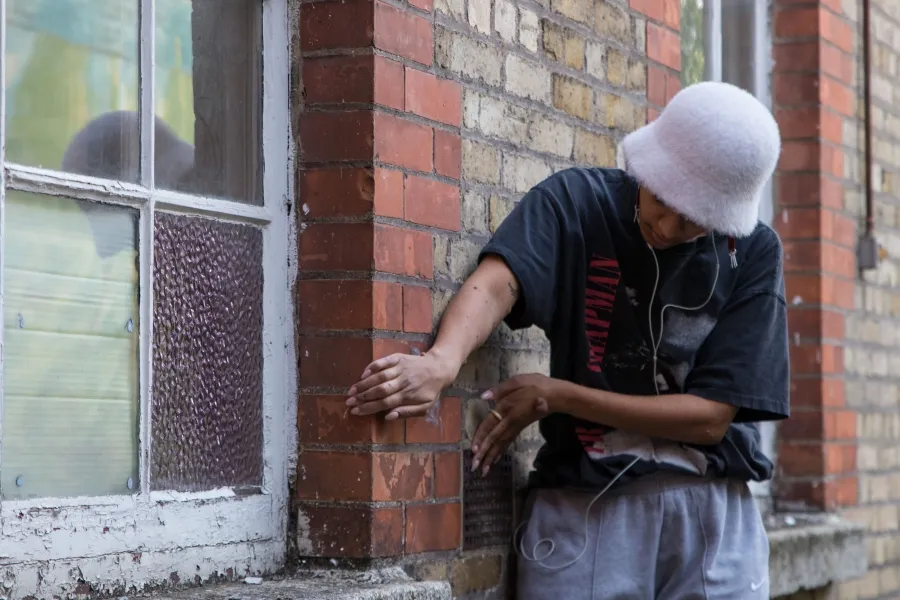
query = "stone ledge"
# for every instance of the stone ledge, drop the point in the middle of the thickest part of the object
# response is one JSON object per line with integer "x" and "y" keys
{"x": 384, "y": 584}
{"x": 810, "y": 551}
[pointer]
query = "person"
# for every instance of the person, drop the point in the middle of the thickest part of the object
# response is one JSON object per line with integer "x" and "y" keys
{"x": 663, "y": 299}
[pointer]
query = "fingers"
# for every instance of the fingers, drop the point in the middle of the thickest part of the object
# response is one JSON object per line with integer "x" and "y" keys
{"x": 485, "y": 446}
{"x": 377, "y": 366}
{"x": 499, "y": 392}
{"x": 393, "y": 384}
{"x": 406, "y": 411}
{"x": 370, "y": 408}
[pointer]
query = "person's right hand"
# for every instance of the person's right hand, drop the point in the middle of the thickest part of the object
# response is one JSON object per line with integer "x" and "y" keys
{"x": 403, "y": 384}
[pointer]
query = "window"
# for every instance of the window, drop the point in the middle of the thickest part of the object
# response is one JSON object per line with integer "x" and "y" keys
{"x": 730, "y": 40}
{"x": 144, "y": 268}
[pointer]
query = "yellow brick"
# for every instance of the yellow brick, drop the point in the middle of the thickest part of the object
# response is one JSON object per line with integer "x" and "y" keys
{"x": 578, "y": 10}
{"x": 499, "y": 210}
{"x": 572, "y": 97}
{"x": 595, "y": 150}
{"x": 616, "y": 68}
{"x": 563, "y": 45}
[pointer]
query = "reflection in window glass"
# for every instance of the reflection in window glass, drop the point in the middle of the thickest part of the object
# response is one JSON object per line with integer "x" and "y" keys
{"x": 71, "y": 383}
{"x": 67, "y": 63}
{"x": 693, "y": 63}
{"x": 208, "y": 55}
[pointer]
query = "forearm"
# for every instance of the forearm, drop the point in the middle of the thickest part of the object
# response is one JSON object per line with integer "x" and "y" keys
{"x": 677, "y": 417}
{"x": 486, "y": 297}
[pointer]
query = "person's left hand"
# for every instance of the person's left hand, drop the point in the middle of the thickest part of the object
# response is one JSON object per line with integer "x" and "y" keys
{"x": 521, "y": 400}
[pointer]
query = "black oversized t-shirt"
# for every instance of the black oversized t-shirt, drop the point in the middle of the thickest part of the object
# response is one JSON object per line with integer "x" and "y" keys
{"x": 586, "y": 277}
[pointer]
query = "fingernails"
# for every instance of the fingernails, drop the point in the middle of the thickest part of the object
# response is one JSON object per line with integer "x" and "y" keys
{"x": 487, "y": 395}
{"x": 351, "y": 401}
{"x": 365, "y": 374}
{"x": 474, "y": 449}
{"x": 391, "y": 416}
{"x": 352, "y": 391}
{"x": 475, "y": 464}
{"x": 355, "y": 412}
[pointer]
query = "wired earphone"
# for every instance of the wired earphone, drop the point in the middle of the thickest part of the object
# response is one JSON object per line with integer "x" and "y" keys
{"x": 655, "y": 343}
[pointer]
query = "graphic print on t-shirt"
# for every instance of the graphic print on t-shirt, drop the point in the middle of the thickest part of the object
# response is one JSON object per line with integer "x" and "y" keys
{"x": 600, "y": 298}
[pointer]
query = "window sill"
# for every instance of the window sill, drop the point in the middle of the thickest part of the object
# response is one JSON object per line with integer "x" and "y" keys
{"x": 811, "y": 551}
{"x": 385, "y": 584}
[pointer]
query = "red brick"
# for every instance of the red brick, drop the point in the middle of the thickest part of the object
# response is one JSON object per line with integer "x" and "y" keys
{"x": 796, "y": 56}
{"x": 663, "y": 46}
{"x": 816, "y": 359}
{"x": 655, "y": 9}
{"x": 403, "y": 251}
{"x": 447, "y": 154}
{"x": 836, "y": 63}
{"x": 652, "y": 114}
{"x": 820, "y": 289}
{"x": 673, "y": 86}
{"x": 672, "y": 14}
{"x": 811, "y": 156}
{"x": 401, "y": 476}
{"x": 389, "y": 193}
{"x": 801, "y": 460}
{"x": 432, "y": 203}
{"x": 389, "y": 83}
{"x": 346, "y": 304}
{"x": 325, "y": 475}
{"x": 822, "y": 495}
{"x": 331, "y": 79}
{"x": 810, "y": 122}
{"x": 417, "y": 309}
{"x": 818, "y": 426}
{"x": 426, "y": 5}
{"x": 836, "y": 95}
{"x": 814, "y": 223}
{"x": 433, "y": 527}
{"x": 325, "y": 419}
{"x": 840, "y": 459}
{"x": 337, "y": 246}
{"x": 352, "y": 531}
{"x": 804, "y": 189}
{"x": 333, "y": 361}
{"x": 836, "y": 30}
{"x": 433, "y": 97}
{"x": 403, "y": 143}
{"x": 331, "y": 136}
{"x": 447, "y": 429}
{"x": 656, "y": 86}
{"x": 447, "y": 475}
{"x": 792, "y": 89}
{"x": 336, "y": 24}
{"x": 343, "y": 192}
{"x": 405, "y": 34}
{"x": 387, "y": 297}
{"x": 793, "y": 23}
{"x": 814, "y": 323}
{"x": 818, "y": 392}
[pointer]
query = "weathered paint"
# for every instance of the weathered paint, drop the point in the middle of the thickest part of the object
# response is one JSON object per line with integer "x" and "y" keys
{"x": 118, "y": 545}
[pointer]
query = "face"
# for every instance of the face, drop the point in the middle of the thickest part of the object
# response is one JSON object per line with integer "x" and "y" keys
{"x": 661, "y": 226}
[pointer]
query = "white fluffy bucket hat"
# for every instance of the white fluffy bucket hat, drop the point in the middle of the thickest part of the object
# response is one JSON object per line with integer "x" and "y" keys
{"x": 708, "y": 156}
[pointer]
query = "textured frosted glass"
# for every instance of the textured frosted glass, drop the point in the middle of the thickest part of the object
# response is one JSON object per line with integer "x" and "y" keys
{"x": 207, "y": 361}
{"x": 70, "y": 326}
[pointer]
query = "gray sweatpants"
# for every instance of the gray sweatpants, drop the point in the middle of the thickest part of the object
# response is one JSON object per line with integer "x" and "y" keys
{"x": 663, "y": 537}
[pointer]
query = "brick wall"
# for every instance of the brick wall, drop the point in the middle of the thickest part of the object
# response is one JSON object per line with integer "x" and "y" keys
{"x": 872, "y": 346}
{"x": 419, "y": 127}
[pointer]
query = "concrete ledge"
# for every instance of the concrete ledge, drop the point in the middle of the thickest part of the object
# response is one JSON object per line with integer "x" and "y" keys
{"x": 384, "y": 584}
{"x": 809, "y": 551}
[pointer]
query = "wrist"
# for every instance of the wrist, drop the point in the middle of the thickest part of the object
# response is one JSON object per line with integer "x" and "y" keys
{"x": 448, "y": 365}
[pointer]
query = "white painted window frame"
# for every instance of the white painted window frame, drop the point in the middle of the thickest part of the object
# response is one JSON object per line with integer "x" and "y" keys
{"x": 245, "y": 529}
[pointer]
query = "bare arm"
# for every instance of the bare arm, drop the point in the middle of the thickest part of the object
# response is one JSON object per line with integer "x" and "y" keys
{"x": 406, "y": 385}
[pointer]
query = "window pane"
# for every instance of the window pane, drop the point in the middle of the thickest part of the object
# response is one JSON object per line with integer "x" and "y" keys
{"x": 737, "y": 44}
{"x": 207, "y": 354}
{"x": 70, "y": 62}
{"x": 693, "y": 60}
{"x": 70, "y": 323}
{"x": 208, "y": 97}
